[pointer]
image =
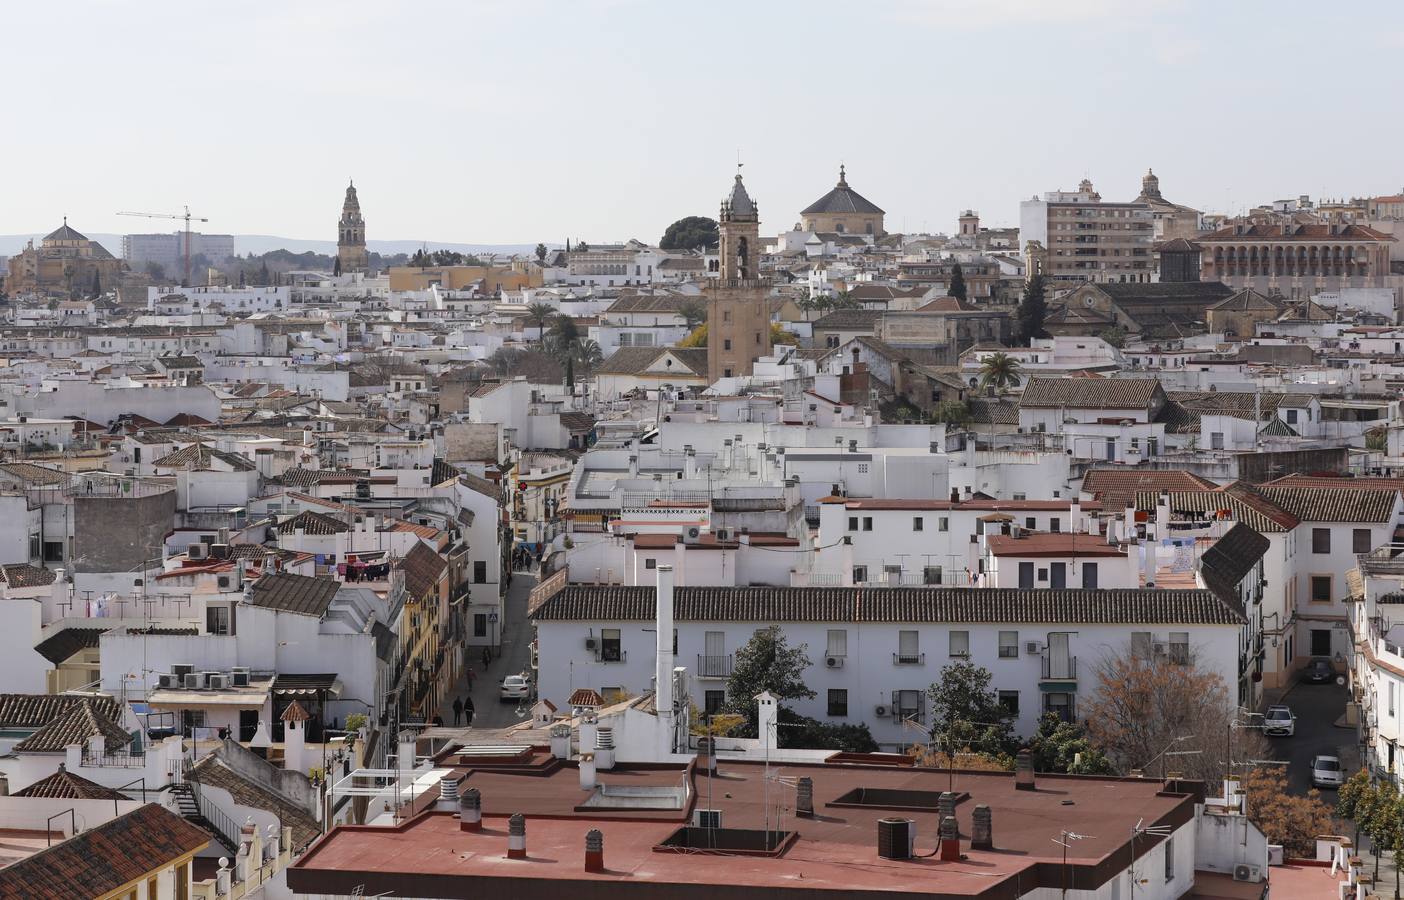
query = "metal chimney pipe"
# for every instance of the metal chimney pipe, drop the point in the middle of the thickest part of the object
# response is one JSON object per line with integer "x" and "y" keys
{"x": 448, "y": 793}
{"x": 663, "y": 671}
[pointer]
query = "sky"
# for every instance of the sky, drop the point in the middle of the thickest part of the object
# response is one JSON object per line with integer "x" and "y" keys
{"x": 515, "y": 121}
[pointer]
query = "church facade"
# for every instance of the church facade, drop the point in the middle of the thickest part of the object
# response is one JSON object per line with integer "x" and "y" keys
{"x": 738, "y": 311}
{"x": 351, "y": 250}
{"x": 65, "y": 263}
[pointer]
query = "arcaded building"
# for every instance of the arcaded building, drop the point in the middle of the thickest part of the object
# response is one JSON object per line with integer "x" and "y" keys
{"x": 1291, "y": 257}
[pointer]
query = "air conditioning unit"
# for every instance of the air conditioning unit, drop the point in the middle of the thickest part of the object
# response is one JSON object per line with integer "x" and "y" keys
{"x": 169, "y": 681}
{"x": 180, "y": 670}
{"x": 193, "y": 681}
{"x": 694, "y": 533}
{"x": 707, "y": 818}
{"x": 198, "y": 551}
{"x": 1245, "y": 872}
{"x": 1033, "y": 647}
{"x": 590, "y": 643}
{"x": 240, "y": 676}
{"x": 1158, "y": 648}
{"x": 834, "y": 662}
{"x": 220, "y": 681}
{"x": 881, "y": 711}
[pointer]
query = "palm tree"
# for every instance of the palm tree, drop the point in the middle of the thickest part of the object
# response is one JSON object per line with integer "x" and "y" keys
{"x": 1000, "y": 371}
{"x": 806, "y": 306}
{"x": 589, "y": 356}
{"x": 845, "y": 300}
{"x": 564, "y": 335}
{"x": 539, "y": 313}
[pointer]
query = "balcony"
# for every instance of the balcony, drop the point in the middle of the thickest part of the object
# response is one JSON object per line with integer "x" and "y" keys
{"x": 909, "y": 659}
{"x": 613, "y": 655}
{"x": 714, "y": 666}
{"x": 1059, "y": 668}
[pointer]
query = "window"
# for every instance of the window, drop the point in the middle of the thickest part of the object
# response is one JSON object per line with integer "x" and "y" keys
{"x": 610, "y": 650}
{"x": 943, "y": 524}
{"x": 1010, "y": 701}
{"x": 960, "y": 643}
{"x": 1216, "y": 440}
{"x": 1321, "y": 540}
{"x": 908, "y": 704}
{"x": 1055, "y": 525}
{"x": 1008, "y": 645}
{"x": 217, "y": 619}
{"x": 908, "y": 647}
{"x": 726, "y": 315}
{"x": 1360, "y": 540}
{"x": 757, "y": 338}
{"x": 860, "y": 574}
{"x": 837, "y": 644}
{"x": 713, "y": 701}
{"x": 480, "y": 624}
{"x": 650, "y": 563}
{"x": 726, "y": 344}
{"x": 479, "y": 571}
{"x": 1291, "y": 417}
{"x": 867, "y": 523}
{"x": 1031, "y": 523}
{"x": 1141, "y": 644}
{"x": 838, "y": 702}
{"x": 1170, "y": 859}
{"x": 1321, "y": 642}
{"x": 931, "y": 575}
{"x": 852, "y": 523}
{"x": 36, "y": 546}
{"x": 1060, "y": 704}
{"x": 918, "y": 524}
{"x": 1320, "y": 588}
{"x": 53, "y": 551}
{"x": 1179, "y": 647}
{"x": 1391, "y": 698}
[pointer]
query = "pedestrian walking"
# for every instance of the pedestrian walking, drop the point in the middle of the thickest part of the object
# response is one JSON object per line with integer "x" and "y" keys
{"x": 457, "y": 710}
{"x": 468, "y": 711}
{"x": 471, "y": 676}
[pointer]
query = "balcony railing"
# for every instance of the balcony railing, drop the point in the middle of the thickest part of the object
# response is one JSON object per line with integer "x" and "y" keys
{"x": 909, "y": 659}
{"x": 118, "y": 760}
{"x": 1060, "y": 668}
{"x": 615, "y": 655}
{"x": 714, "y": 666}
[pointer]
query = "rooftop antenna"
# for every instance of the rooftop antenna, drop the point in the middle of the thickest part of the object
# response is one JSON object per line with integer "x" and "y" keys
{"x": 1065, "y": 840}
{"x": 1140, "y": 828}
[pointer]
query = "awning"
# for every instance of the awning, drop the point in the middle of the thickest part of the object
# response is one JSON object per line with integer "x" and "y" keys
{"x": 307, "y": 685}
{"x": 241, "y": 697}
{"x": 997, "y": 517}
{"x": 1058, "y": 687}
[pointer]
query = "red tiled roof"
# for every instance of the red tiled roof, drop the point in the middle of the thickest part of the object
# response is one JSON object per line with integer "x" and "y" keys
{"x": 1052, "y": 544}
{"x": 585, "y": 697}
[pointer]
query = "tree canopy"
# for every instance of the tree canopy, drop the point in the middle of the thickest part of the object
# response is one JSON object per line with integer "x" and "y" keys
{"x": 999, "y": 371}
{"x": 957, "y": 288}
{"x": 966, "y": 714}
{"x": 1033, "y": 308}
{"x": 690, "y": 233}
{"x": 767, "y": 662}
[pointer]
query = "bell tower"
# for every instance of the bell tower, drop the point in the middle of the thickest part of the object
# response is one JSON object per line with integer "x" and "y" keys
{"x": 738, "y": 313}
{"x": 351, "y": 235}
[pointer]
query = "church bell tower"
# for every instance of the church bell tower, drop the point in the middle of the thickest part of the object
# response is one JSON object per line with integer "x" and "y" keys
{"x": 738, "y": 311}
{"x": 351, "y": 235}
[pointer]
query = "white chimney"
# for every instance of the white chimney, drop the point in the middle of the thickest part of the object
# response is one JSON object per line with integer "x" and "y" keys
{"x": 588, "y": 726}
{"x": 633, "y": 465}
{"x": 663, "y": 668}
{"x": 1075, "y": 513}
{"x": 689, "y": 463}
{"x": 587, "y": 771}
{"x": 1162, "y": 516}
{"x": 1129, "y": 523}
{"x": 767, "y": 721}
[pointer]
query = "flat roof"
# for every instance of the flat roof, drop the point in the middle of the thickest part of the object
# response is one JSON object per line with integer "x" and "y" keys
{"x": 429, "y": 855}
{"x": 1052, "y": 544}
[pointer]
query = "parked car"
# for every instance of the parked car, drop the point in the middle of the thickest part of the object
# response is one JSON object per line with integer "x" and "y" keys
{"x": 1319, "y": 671}
{"x": 515, "y": 688}
{"x": 1279, "y": 721}
{"x": 1326, "y": 772}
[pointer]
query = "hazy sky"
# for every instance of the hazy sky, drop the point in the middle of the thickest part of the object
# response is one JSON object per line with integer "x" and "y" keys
{"x": 510, "y": 121}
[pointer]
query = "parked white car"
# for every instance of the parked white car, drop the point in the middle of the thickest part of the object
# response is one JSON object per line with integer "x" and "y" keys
{"x": 516, "y": 688}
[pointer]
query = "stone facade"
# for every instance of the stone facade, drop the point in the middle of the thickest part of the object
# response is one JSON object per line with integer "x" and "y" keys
{"x": 351, "y": 235}
{"x": 843, "y": 211}
{"x": 738, "y": 314}
{"x": 64, "y": 264}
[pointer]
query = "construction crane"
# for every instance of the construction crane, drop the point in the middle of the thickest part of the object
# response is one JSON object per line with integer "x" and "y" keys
{"x": 188, "y": 219}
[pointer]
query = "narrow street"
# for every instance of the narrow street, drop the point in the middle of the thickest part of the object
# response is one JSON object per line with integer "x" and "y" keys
{"x": 513, "y": 658}
{"x": 1318, "y": 708}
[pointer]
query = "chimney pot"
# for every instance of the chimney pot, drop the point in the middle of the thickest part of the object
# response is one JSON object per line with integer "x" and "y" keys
{"x": 946, "y": 804}
{"x": 706, "y": 755}
{"x": 516, "y": 837}
{"x": 587, "y": 771}
{"x": 470, "y": 811}
{"x": 950, "y": 840}
{"x": 448, "y": 792}
{"x": 594, "y": 850}
{"x": 804, "y": 797}
{"x": 981, "y": 829}
{"x": 1024, "y": 772}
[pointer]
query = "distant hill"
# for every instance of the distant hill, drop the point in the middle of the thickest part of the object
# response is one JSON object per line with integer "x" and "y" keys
{"x": 10, "y": 244}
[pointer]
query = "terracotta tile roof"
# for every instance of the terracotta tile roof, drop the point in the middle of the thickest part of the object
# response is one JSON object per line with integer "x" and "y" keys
{"x": 37, "y": 710}
{"x": 1334, "y": 505}
{"x": 1118, "y": 487}
{"x": 585, "y": 697}
{"x": 32, "y": 474}
{"x": 64, "y": 785}
{"x": 1052, "y": 544}
{"x": 423, "y": 568}
{"x": 298, "y": 594}
{"x": 1318, "y": 481}
{"x": 295, "y": 713}
{"x": 635, "y": 360}
{"x": 427, "y": 532}
{"x": 23, "y": 575}
{"x": 200, "y": 457}
{"x": 1294, "y": 232}
{"x": 594, "y": 603}
{"x": 106, "y": 857}
{"x": 1225, "y": 564}
{"x": 61, "y": 645}
{"x": 1237, "y": 500}
{"x": 849, "y": 319}
{"x": 75, "y": 725}
{"x": 488, "y": 489}
{"x": 313, "y": 523}
{"x": 1091, "y": 393}
{"x": 212, "y": 771}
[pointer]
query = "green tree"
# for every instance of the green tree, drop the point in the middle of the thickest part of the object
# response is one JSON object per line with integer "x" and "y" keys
{"x": 588, "y": 356}
{"x": 97, "y": 284}
{"x": 806, "y": 305}
{"x": 693, "y": 312}
{"x": 845, "y": 300}
{"x": 1115, "y": 336}
{"x": 803, "y": 732}
{"x": 957, "y": 288}
{"x": 539, "y": 314}
{"x": 952, "y": 412}
{"x": 1033, "y": 309}
{"x": 541, "y": 252}
{"x": 336, "y": 266}
{"x": 564, "y": 335}
{"x": 1376, "y": 439}
{"x": 570, "y": 374}
{"x": 1060, "y": 746}
{"x": 690, "y": 233}
{"x": 1000, "y": 371}
{"x": 966, "y": 714}
{"x": 767, "y": 662}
